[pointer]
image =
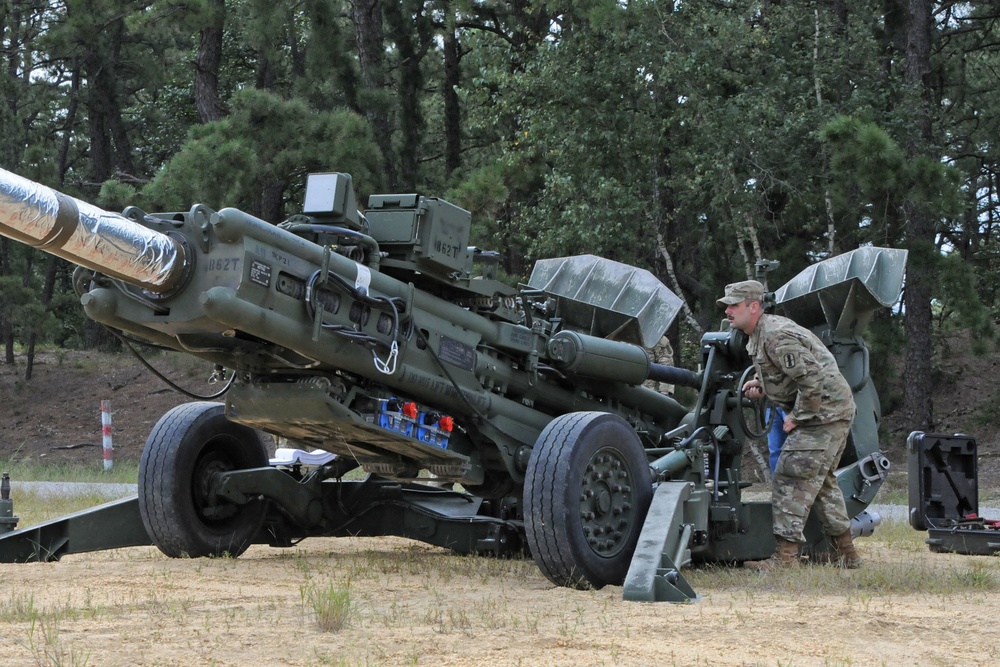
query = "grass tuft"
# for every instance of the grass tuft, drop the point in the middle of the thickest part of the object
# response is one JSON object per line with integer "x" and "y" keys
{"x": 331, "y": 604}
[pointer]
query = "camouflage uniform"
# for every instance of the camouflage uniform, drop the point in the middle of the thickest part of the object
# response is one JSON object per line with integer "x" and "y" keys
{"x": 662, "y": 353}
{"x": 799, "y": 374}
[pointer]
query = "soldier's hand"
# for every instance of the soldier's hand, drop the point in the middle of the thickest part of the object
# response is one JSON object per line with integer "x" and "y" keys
{"x": 789, "y": 425}
{"x": 752, "y": 389}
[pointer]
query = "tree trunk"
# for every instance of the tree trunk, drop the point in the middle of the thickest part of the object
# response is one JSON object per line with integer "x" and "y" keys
{"x": 110, "y": 148}
{"x": 921, "y": 273}
{"x": 452, "y": 110}
{"x": 97, "y": 337}
{"x": 296, "y": 53}
{"x": 48, "y": 289}
{"x": 69, "y": 126}
{"x": 370, "y": 37}
{"x": 207, "y": 63}
{"x": 661, "y": 248}
{"x": 271, "y": 206}
{"x": 12, "y": 149}
{"x": 6, "y": 324}
{"x": 266, "y": 77}
{"x": 413, "y": 35}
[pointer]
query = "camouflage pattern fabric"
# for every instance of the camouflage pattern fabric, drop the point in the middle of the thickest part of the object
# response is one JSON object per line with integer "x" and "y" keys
{"x": 662, "y": 353}
{"x": 804, "y": 480}
{"x": 798, "y": 372}
{"x": 800, "y": 375}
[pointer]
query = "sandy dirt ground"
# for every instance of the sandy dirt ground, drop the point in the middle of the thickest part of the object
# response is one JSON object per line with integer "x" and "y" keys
{"x": 412, "y": 604}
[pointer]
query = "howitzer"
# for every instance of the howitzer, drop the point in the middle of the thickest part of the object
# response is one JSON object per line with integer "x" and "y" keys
{"x": 383, "y": 341}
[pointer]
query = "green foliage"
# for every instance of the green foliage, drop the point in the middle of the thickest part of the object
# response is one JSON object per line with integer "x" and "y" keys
{"x": 871, "y": 179}
{"x": 935, "y": 186}
{"x": 115, "y": 196}
{"x": 957, "y": 296}
{"x": 698, "y": 124}
{"x": 265, "y": 141}
{"x": 19, "y": 305}
{"x": 884, "y": 338}
{"x": 867, "y": 164}
{"x": 484, "y": 193}
{"x": 717, "y": 133}
{"x": 589, "y": 215}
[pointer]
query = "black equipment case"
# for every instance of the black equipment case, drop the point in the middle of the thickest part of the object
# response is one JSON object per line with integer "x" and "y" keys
{"x": 944, "y": 495}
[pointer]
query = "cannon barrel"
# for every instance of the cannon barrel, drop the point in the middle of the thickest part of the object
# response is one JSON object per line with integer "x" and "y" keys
{"x": 86, "y": 235}
{"x": 674, "y": 375}
{"x": 589, "y": 356}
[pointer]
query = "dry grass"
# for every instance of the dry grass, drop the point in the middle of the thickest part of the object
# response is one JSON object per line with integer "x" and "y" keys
{"x": 331, "y": 604}
{"x": 389, "y": 601}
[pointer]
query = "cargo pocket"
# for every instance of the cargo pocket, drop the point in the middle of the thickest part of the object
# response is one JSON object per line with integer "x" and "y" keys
{"x": 799, "y": 463}
{"x": 803, "y": 454}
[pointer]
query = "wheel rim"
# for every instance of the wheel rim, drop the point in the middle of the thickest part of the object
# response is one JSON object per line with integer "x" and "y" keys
{"x": 216, "y": 458}
{"x": 606, "y": 502}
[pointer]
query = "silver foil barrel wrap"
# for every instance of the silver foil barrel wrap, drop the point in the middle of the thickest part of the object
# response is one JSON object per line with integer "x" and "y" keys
{"x": 86, "y": 235}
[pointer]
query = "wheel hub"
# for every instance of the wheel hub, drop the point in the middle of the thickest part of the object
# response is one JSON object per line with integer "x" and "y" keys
{"x": 606, "y": 502}
{"x": 205, "y": 503}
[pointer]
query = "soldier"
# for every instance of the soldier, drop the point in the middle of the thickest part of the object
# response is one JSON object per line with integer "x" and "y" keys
{"x": 797, "y": 372}
{"x": 662, "y": 353}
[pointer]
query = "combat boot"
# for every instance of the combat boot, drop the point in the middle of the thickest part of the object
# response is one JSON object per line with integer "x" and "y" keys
{"x": 847, "y": 555}
{"x": 786, "y": 554}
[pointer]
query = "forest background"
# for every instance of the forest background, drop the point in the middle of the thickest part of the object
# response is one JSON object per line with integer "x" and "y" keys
{"x": 692, "y": 138}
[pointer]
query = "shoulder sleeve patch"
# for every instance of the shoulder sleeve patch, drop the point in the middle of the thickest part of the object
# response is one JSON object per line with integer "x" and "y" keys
{"x": 789, "y": 360}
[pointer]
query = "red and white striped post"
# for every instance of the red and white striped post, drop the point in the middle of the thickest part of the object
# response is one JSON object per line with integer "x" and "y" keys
{"x": 106, "y": 434}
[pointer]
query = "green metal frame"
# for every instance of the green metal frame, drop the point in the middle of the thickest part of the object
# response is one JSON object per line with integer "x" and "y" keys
{"x": 369, "y": 507}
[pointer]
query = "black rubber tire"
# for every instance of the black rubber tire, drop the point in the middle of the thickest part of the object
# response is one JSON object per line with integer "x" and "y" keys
{"x": 188, "y": 444}
{"x": 587, "y": 489}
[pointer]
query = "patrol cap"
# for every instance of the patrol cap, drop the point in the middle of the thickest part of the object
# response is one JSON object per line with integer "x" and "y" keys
{"x": 737, "y": 292}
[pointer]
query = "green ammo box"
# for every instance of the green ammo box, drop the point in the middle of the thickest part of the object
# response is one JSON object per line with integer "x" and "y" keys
{"x": 426, "y": 231}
